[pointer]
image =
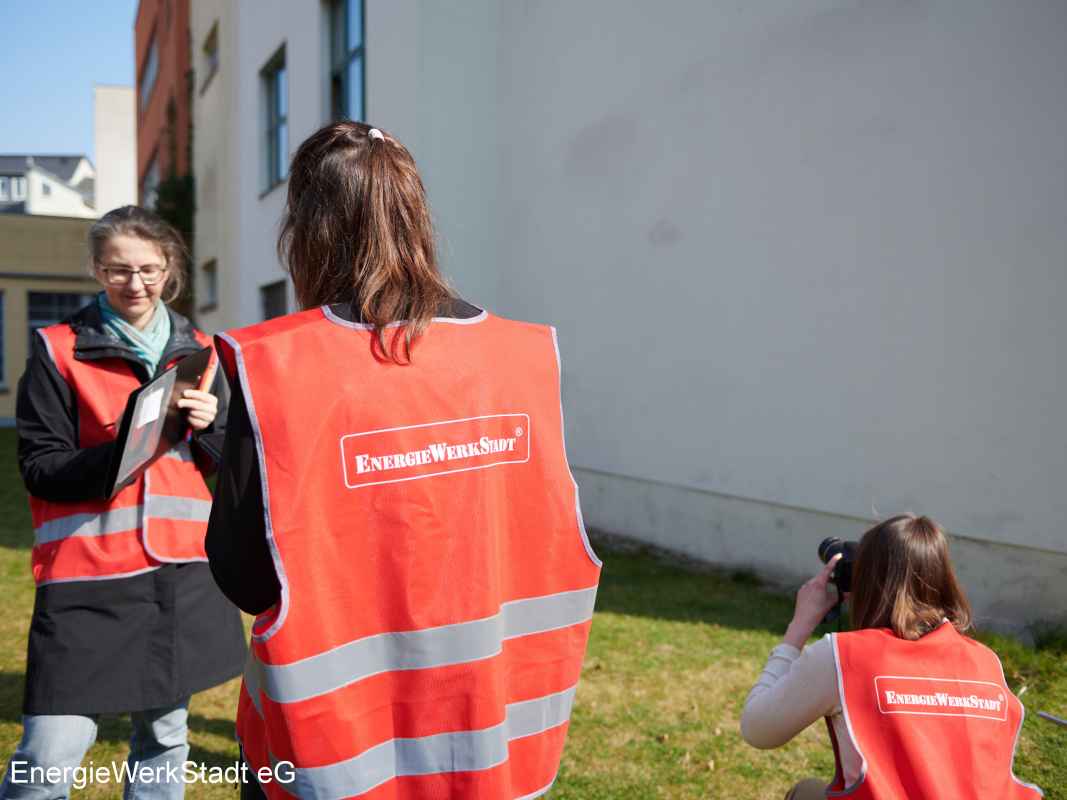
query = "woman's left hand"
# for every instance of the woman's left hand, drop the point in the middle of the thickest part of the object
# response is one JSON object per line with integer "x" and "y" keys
{"x": 201, "y": 408}
{"x": 814, "y": 600}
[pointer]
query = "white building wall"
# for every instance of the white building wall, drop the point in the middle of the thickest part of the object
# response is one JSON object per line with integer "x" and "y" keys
{"x": 214, "y": 163}
{"x": 805, "y": 257}
{"x": 805, "y": 260}
{"x": 115, "y": 138}
{"x": 261, "y": 32}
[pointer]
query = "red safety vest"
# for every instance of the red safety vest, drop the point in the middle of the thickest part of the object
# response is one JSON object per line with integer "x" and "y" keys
{"x": 437, "y": 585}
{"x": 160, "y": 517}
{"x": 931, "y": 718}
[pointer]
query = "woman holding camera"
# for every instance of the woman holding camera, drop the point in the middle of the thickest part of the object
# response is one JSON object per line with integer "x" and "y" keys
{"x": 126, "y": 617}
{"x": 915, "y": 709}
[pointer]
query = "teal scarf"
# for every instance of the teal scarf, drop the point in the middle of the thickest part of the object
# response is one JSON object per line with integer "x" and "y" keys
{"x": 147, "y": 344}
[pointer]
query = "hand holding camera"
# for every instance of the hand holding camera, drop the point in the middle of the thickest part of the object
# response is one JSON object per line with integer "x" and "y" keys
{"x": 816, "y": 599}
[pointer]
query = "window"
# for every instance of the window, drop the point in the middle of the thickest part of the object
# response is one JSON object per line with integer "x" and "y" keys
{"x": 209, "y": 56}
{"x": 150, "y": 183}
{"x": 18, "y": 188}
{"x": 46, "y": 188}
{"x": 149, "y": 72}
{"x": 210, "y": 296}
{"x": 3, "y": 190}
{"x": 3, "y": 365}
{"x": 48, "y": 308}
{"x": 272, "y": 298}
{"x": 276, "y": 93}
{"x": 346, "y": 59}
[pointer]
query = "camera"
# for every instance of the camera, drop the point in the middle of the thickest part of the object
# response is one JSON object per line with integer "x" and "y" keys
{"x": 842, "y": 574}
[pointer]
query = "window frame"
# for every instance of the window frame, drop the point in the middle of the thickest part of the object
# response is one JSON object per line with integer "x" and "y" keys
{"x": 342, "y": 55}
{"x": 211, "y": 56}
{"x": 33, "y": 323}
{"x": 269, "y": 287}
{"x": 210, "y": 270}
{"x": 146, "y": 88}
{"x": 152, "y": 170}
{"x": 275, "y": 119}
{"x": 3, "y": 339}
{"x": 6, "y": 194}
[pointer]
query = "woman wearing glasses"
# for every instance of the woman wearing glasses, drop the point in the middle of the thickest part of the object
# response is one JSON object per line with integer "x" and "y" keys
{"x": 127, "y": 618}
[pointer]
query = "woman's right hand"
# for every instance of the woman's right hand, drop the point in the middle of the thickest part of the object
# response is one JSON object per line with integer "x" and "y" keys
{"x": 814, "y": 600}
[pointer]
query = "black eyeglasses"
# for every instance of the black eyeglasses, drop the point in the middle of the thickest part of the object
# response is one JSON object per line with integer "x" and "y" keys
{"x": 120, "y": 276}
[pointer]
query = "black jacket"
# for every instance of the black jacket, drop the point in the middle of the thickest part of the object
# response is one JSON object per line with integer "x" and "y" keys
{"x": 53, "y": 466}
{"x": 125, "y": 644}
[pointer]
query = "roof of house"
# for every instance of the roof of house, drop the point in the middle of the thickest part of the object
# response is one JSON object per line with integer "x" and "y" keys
{"x": 62, "y": 166}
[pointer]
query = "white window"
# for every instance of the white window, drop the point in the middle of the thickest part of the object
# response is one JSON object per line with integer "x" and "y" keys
{"x": 18, "y": 188}
{"x": 3, "y": 190}
{"x": 346, "y": 59}
{"x": 276, "y": 94}
{"x": 46, "y": 188}
{"x": 149, "y": 72}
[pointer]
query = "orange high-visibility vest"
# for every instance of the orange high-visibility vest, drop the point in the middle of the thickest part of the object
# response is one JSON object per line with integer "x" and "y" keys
{"x": 437, "y": 585}
{"x": 931, "y": 718}
{"x": 160, "y": 517}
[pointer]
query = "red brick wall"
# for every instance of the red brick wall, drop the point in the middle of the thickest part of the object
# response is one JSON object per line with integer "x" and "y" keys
{"x": 166, "y": 21}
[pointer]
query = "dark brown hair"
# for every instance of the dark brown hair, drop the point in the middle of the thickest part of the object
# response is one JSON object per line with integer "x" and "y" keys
{"x": 903, "y": 579}
{"x": 142, "y": 224}
{"x": 357, "y": 229}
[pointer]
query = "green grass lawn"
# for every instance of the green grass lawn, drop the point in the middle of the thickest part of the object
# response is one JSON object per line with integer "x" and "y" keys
{"x": 672, "y": 654}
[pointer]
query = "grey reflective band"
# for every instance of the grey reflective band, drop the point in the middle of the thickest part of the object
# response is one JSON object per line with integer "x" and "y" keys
{"x": 424, "y": 649}
{"x": 162, "y": 506}
{"x": 119, "y": 520}
{"x": 180, "y": 452}
{"x": 115, "y": 520}
{"x": 463, "y": 751}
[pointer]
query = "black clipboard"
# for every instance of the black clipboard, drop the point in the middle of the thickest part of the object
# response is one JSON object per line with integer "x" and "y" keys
{"x": 152, "y": 423}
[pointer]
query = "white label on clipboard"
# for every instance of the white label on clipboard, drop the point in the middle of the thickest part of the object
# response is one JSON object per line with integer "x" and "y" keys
{"x": 150, "y": 407}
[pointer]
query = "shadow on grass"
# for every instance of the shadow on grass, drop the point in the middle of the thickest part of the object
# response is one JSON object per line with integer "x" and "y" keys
{"x": 115, "y": 728}
{"x": 646, "y": 582}
{"x": 16, "y": 531}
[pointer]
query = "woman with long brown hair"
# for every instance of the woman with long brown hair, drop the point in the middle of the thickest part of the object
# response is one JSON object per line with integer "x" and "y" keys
{"x": 916, "y": 710}
{"x": 396, "y": 509}
{"x": 126, "y": 618}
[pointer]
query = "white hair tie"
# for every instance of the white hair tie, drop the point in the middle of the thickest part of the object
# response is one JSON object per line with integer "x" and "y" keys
{"x": 374, "y": 133}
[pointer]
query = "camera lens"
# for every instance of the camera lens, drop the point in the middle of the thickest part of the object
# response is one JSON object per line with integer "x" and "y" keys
{"x": 829, "y": 548}
{"x": 842, "y": 575}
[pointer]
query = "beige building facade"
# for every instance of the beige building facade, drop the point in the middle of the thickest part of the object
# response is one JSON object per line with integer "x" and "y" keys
{"x": 43, "y": 278}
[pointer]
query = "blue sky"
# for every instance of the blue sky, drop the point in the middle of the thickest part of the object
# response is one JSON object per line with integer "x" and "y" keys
{"x": 54, "y": 52}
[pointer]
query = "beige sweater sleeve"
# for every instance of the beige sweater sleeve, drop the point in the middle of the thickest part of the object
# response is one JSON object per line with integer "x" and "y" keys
{"x": 795, "y": 689}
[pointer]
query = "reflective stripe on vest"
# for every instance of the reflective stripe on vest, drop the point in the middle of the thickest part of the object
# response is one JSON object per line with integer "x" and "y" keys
{"x": 117, "y": 520}
{"x": 462, "y": 751}
{"x": 423, "y": 649}
{"x": 161, "y": 517}
{"x": 388, "y": 657}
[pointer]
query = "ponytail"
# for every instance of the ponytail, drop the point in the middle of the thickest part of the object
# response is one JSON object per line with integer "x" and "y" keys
{"x": 357, "y": 229}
